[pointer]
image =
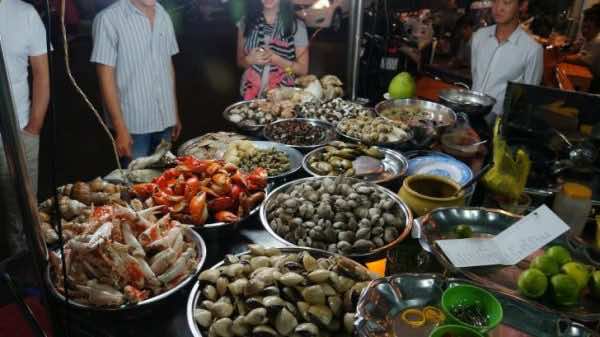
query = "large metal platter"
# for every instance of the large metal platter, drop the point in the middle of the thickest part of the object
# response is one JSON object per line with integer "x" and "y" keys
{"x": 352, "y": 139}
{"x": 372, "y": 255}
{"x": 186, "y": 148}
{"x": 394, "y": 163}
{"x": 143, "y": 305}
{"x": 242, "y": 125}
{"x": 329, "y": 133}
{"x": 472, "y": 103}
{"x": 384, "y": 299}
{"x": 192, "y": 302}
{"x": 485, "y": 223}
{"x": 441, "y": 116}
{"x": 294, "y": 156}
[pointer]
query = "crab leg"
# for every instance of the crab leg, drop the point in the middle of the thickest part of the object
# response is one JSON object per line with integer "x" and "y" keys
{"x": 99, "y": 294}
{"x": 178, "y": 267}
{"x": 166, "y": 241}
{"x": 161, "y": 261}
{"x": 148, "y": 273}
{"x": 131, "y": 241}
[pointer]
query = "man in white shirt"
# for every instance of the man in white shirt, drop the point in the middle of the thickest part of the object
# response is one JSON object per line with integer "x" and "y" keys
{"x": 504, "y": 52}
{"x": 23, "y": 42}
{"x": 134, "y": 41}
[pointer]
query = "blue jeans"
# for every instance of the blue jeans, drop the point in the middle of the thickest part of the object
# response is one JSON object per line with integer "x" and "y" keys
{"x": 144, "y": 144}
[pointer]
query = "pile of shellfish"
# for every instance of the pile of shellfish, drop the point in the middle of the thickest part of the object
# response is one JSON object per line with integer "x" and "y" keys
{"x": 341, "y": 215}
{"x": 333, "y": 111}
{"x": 268, "y": 293}
{"x": 372, "y": 131}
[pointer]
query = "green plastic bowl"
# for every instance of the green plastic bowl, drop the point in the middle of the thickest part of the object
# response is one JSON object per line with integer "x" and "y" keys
{"x": 465, "y": 295}
{"x": 455, "y": 331}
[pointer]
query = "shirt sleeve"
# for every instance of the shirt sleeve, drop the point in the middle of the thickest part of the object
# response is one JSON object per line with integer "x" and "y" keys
{"x": 37, "y": 36}
{"x": 105, "y": 42}
{"x": 535, "y": 68}
{"x": 301, "y": 36}
{"x": 173, "y": 45}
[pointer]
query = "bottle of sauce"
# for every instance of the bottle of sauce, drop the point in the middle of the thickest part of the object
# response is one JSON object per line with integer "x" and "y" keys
{"x": 573, "y": 205}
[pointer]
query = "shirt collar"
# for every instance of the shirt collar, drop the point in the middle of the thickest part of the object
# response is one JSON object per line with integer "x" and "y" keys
{"x": 130, "y": 9}
{"x": 513, "y": 38}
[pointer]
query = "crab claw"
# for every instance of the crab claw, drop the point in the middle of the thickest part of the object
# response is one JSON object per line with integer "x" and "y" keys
{"x": 230, "y": 168}
{"x": 257, "y": 179}
{"x": 144, "y": 190}
{"x": 192, "y": 187}
{"x": 198, "y": 209}
{"x": 239, "y": 179}
{"x": 226, "y": 216}
{"x": 221, "y": 204}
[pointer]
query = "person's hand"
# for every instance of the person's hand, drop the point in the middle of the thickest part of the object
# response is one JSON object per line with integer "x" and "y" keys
{"x": 176, "y": 129}
{"x": 124, "y": 143}
{"x": 278, "y": 60}
{"x": 33, "y": 128}
{"x": 258, "y": 56}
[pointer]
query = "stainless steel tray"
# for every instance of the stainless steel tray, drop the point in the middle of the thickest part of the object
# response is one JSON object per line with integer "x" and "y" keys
{"x": 150, "y": 302}
{"x": 440, "y": 224}
{"x": 386, "y": 298}
{"x": 194, "y": 296}
{"x": 440, "y": 115}
{"x": 329, "y": 134}
{"x": 372, "y": 255}
{"x": 395, "y": 166}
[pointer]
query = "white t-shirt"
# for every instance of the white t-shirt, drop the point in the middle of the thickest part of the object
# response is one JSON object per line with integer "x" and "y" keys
{"x": 22, "y": 34}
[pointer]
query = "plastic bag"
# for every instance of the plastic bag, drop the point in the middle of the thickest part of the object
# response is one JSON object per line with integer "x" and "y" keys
{"x": 508, "y": 176}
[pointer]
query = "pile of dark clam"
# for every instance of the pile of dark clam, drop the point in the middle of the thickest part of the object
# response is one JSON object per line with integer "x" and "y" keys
{"x": 268, "y": 293}
{"x": 343, "y": 216}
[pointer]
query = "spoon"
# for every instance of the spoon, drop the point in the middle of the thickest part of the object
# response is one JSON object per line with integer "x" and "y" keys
{"x": 475, "y": 178}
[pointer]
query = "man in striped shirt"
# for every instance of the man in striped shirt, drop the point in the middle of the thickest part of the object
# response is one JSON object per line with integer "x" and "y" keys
{"x": 134, "y": 42}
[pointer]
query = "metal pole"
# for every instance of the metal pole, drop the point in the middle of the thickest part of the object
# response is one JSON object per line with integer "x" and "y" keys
{"x": 354, "y": 47}
{"x": 15, "y": 158}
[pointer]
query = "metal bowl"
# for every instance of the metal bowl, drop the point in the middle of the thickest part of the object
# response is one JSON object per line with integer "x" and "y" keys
{"x": 192, "y": 301}
{"x": 392, "y": 145}
{"x": 329, "y": 133}
{"x": 242, "y": 125}
{"x": 370, "y": 256}
{"x": 473, "y": 103}
{"x": 395, "y": 166}
{"x": 294, "y": 156}
{"x": 185, "y": 148}
{"x": 143, "y": 305}
{"x": 441, "y": 116}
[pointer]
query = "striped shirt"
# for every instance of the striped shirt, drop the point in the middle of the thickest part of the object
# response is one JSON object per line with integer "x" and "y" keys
{"x": 141, "y": 55}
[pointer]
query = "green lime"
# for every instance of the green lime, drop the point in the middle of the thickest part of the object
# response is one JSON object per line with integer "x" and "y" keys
{"x": 579, "y": 272}
{"x": 533, "y": 283}
{"x": 564, "y": 289}
{"x": 560, "y": 254}
{"x": 546, "y": 265}
{"x": 463, "y": 231}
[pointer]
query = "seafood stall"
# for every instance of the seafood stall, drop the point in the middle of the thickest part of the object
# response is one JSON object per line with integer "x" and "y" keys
{"x": 294, "y": 224}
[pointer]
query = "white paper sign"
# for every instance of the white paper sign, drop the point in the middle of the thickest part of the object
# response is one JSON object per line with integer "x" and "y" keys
{"x": 509, "y": 247}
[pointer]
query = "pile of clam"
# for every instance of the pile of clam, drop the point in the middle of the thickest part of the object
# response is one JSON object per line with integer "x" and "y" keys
{"x": 261, "y": 112}
{"x": 268, "y": 293}
{"x": 340, "y": 215}
{"x": 369, "y": 130}
{"x": 333, "y": 111}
